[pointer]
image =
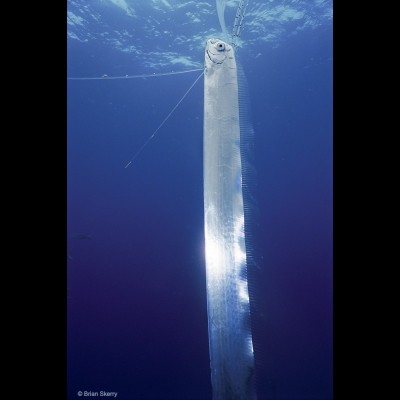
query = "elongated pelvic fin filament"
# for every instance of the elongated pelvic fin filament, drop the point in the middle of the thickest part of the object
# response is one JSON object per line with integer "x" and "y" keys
{"x": 163, "y": 122}
{"x": 106, "y": 77}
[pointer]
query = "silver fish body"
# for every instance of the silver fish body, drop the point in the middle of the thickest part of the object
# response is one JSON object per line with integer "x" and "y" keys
{"x": 230, "y": 341}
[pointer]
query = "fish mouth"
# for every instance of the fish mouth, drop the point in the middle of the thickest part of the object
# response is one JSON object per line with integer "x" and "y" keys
{"x": 214, "y": 57}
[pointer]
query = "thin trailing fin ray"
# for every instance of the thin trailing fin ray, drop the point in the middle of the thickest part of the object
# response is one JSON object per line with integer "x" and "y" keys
{"x": 221, "y": 4}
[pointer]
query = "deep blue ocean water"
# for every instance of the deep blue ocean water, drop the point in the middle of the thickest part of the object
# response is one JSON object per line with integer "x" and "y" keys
{"x": 137, "y": 313}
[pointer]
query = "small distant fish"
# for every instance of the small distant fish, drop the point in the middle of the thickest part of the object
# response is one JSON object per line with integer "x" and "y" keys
{"x": 81, "y": 236}
{"x": 69, "y": 256}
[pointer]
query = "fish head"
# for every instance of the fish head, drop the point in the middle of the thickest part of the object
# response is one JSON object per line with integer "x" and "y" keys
{"x": 217, "y": 51}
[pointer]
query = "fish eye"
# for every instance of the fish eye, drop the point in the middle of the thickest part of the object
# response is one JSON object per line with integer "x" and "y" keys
{"x": 220, "y": 46}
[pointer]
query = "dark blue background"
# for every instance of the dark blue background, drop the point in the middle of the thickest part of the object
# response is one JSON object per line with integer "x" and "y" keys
{"x": 137, "y": 318}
